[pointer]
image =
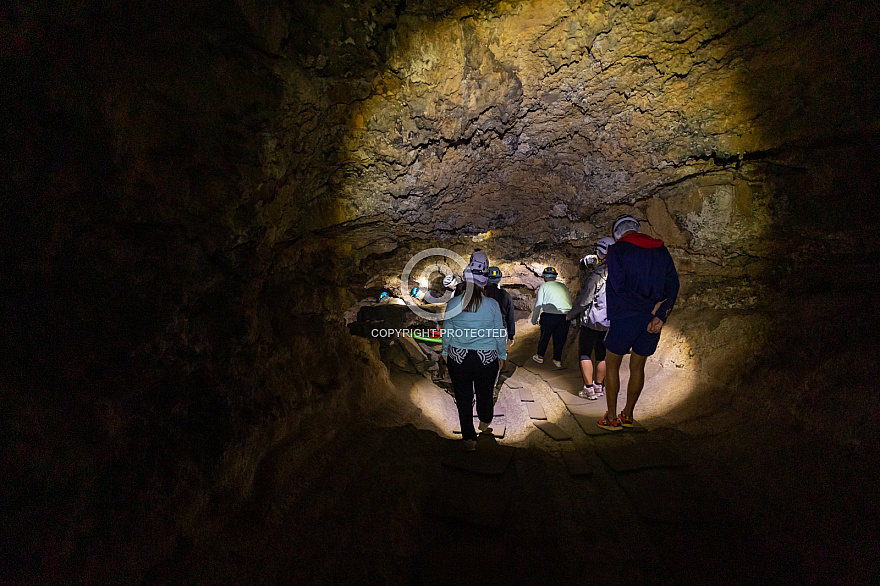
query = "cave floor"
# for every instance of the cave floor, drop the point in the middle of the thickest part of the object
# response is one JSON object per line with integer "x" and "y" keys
{"x": 707, "y": 502}
{"x": 665, "y": 386}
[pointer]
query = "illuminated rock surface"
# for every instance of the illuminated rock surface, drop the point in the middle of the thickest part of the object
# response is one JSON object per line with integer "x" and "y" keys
{"x": 199, "y": 199}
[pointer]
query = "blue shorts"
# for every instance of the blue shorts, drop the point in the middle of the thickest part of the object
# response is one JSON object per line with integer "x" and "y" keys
{"x": 631, "y": 333}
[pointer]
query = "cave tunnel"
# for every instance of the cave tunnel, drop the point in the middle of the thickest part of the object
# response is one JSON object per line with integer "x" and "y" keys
{"x": 203, "y": 201}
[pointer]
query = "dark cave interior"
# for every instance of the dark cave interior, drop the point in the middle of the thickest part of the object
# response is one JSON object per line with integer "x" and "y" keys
{"x": 200, "y": 199}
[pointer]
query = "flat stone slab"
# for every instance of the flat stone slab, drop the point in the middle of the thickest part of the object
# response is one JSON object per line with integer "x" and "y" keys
{"x": 514, "y": 383}
{"x": 576, "y": 463}
{"x": 571, "y": 382}
{"x": 640, "y": 456}
{"x": 553, "y": 430}
{"x": 570, "y": 399}
{"x": 525, "y": 394}
{"x": 485, "y": 504}
{"x": 595, "y": 409}
{"x": 587, "y": 417}
{"x": 588, "y": 424}
{"x": 543, "y": 370}
{"x": 497, "y": 429}
{"x": 535, "y": 410}
{"x": 671, "y": 496}
{"x": 489, "y": 458}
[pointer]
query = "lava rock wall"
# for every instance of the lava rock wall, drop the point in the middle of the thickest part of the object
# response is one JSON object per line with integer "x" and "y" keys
{"x": 194, "y": 194}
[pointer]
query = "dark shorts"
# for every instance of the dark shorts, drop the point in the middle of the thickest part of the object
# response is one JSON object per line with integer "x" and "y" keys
{"x": 631, "y": 333}
{"x": 589, "y": 339}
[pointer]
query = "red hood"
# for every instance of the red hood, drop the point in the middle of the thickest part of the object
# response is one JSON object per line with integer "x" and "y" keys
{"x": 642, "y": 240}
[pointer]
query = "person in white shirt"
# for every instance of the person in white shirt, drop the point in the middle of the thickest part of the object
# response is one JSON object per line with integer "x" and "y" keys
{"x": 592, "y": 312}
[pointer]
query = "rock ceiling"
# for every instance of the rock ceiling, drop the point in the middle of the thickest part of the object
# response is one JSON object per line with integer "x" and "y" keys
{"x": 542, "y": 119}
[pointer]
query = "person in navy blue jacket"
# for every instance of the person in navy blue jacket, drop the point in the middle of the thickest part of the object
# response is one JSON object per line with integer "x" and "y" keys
{"x": 641, "y": 289}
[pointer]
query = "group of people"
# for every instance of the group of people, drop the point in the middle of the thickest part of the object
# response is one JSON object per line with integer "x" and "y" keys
{"x": 622, "y": 309}
{"x": 555, "y": 309}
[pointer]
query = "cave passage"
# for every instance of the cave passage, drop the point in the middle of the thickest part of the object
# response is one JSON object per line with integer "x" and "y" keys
{"x": 202, "y": 205}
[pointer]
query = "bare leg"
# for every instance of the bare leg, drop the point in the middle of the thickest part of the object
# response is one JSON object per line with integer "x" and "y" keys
{"x": 587, "y": 372}
{"x": 612, "y": 382}
{"x": 600, "y": 373}
{"x": 636, "y": 382}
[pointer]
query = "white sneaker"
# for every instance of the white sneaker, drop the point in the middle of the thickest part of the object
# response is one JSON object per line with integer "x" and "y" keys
{"x": 587, "y": 393}
{"x": 483, "y": 426}
{"x": 557, "y": 364}
{"x": 599, "y": 390}
{"x": 470, "y": 445}
{"x": 538, "y": 359}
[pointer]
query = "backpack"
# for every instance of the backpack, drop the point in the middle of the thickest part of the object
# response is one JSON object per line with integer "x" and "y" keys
{"x": 595, "y": 316}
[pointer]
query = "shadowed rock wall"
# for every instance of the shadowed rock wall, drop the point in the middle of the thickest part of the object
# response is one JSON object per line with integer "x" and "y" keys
{"x": 162, "y": 329}
{"x": 194, "y": 194}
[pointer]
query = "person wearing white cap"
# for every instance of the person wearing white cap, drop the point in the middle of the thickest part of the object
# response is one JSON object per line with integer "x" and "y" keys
{"x": 642, "y": 289}
{"x": 474, "y": 348}
{"x": 451, "y": 283}
{"x": 593, "y": 311}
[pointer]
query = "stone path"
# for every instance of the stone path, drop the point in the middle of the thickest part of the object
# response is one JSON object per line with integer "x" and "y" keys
{"x": 552, "y": 501}
{"x": 547, "y": 502}
{"x": 648, "y": 479}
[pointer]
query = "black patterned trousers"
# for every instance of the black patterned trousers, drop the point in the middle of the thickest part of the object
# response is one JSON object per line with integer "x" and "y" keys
{"x": 472, "y": 372}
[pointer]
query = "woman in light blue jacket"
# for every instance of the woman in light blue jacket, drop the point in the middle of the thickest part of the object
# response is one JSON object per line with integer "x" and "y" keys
{"x": 475, "y": 348}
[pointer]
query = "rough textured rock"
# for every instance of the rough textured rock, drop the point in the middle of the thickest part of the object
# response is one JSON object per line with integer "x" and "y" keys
{"x": 194, "y": 194}
{"x": 544, "y": 113}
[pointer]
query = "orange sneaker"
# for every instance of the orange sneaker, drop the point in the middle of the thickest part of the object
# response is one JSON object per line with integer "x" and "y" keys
{"x": 625, "y": 421}
{"x": 611, "y": 425}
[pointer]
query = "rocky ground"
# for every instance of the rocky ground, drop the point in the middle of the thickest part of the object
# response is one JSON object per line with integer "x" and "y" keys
{"x": 386, "y": 504}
